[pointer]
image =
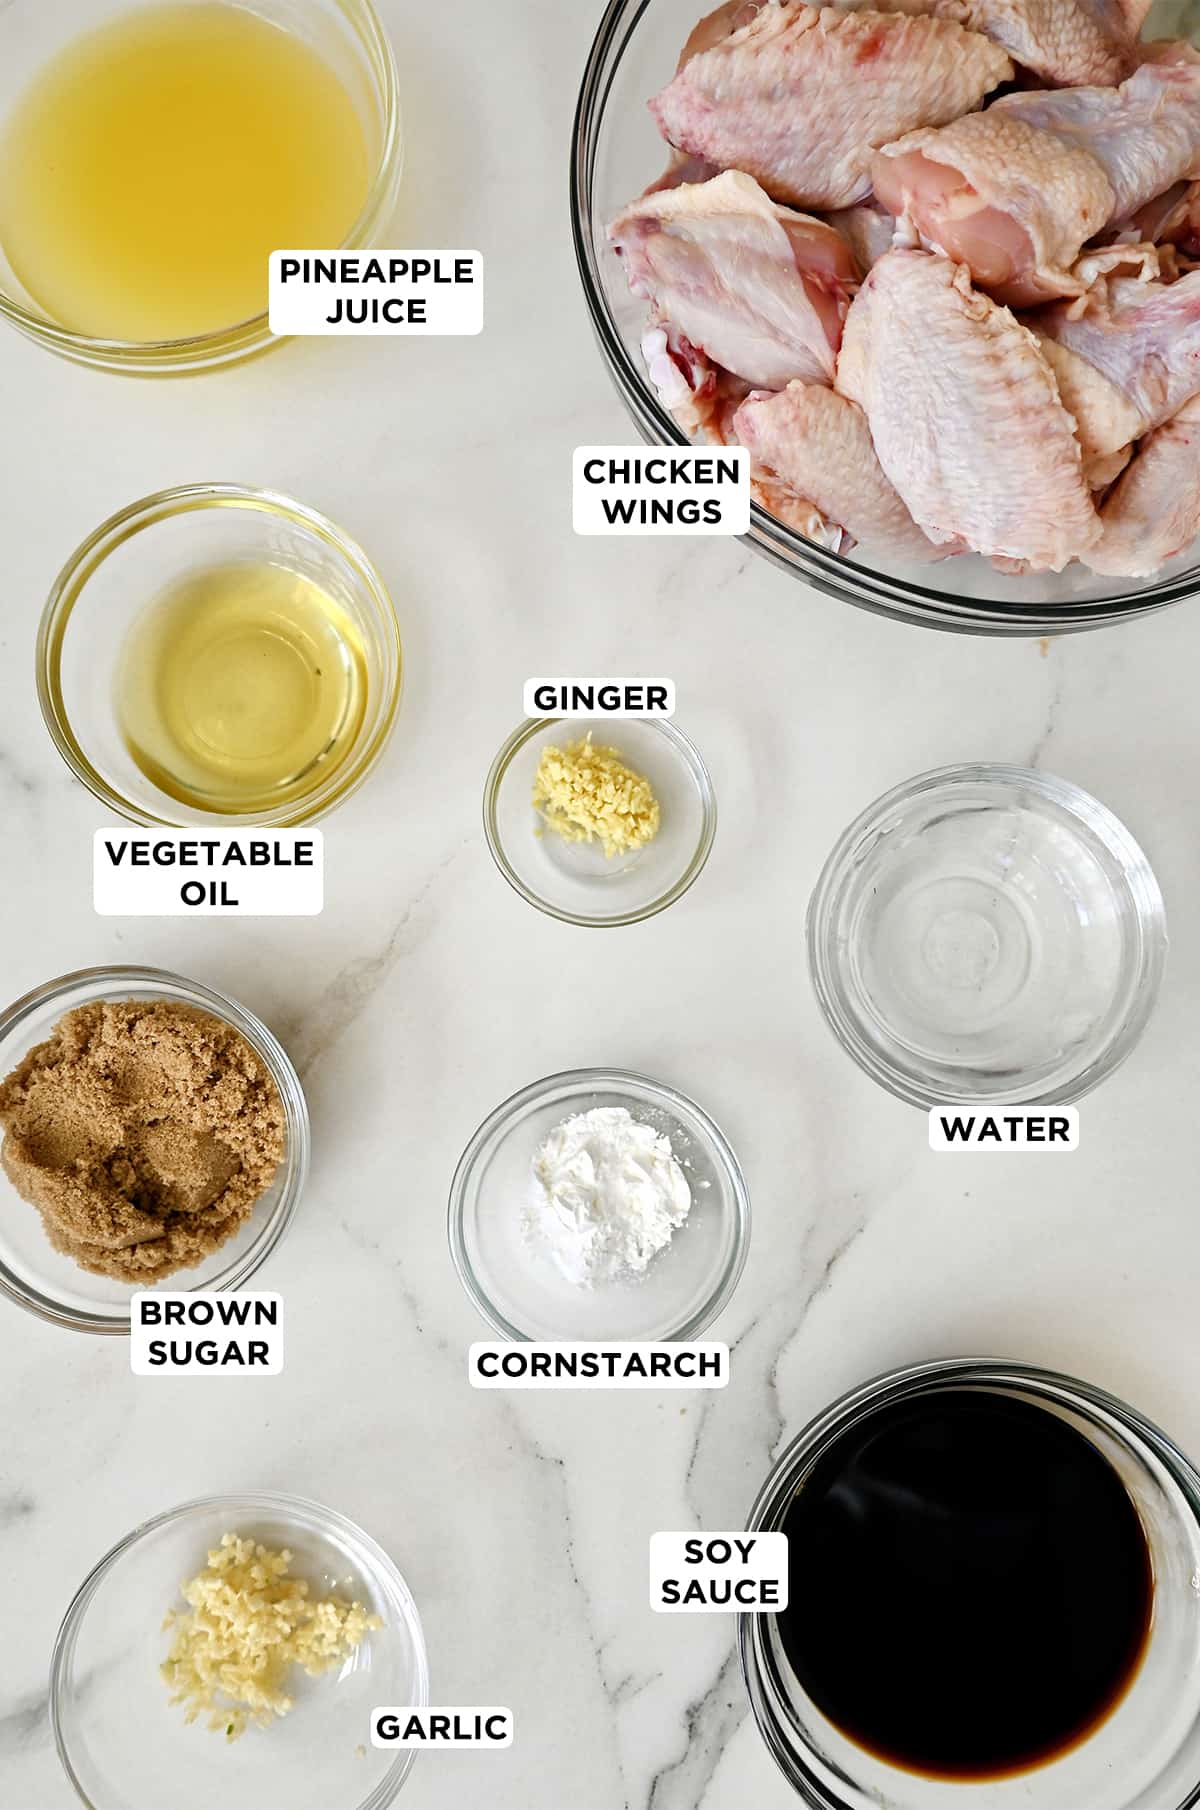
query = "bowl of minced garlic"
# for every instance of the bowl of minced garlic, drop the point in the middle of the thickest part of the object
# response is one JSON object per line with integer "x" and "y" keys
{"x": 230, "y": 1653}
{"x": 247, "y": 1626}
{"x": 599, "y": 822}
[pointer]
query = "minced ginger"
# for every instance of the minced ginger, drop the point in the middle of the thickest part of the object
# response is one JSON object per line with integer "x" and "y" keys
{"x": 586, "y": 793}
{"x": 248, "y": 1622}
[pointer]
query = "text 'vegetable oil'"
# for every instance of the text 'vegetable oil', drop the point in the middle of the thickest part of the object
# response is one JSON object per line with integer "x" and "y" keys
{"x": 154, "y": 165}
{"x": 241, "y": 689}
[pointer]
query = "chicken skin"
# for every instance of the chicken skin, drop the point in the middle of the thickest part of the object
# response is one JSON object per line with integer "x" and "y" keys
{"x": 812, "y": 451}
{"x": 801, "y": 95}
{"x": 965, "y": 414}
{"x": 760, "y": 290}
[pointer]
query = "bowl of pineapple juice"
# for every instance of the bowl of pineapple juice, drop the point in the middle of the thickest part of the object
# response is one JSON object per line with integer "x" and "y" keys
{"x": 153, "y": 155}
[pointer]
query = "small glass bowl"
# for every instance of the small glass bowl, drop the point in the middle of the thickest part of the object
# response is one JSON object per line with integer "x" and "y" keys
{"x": 349, "y": 36}
{"x": 125, "y": 1746}
{"x": 137, "y": 555}
{"x": 987, "y": 933}
{"x": 516, "y": 1285}
{"x": 576, "y": 881}
{"x": 53, "y": 1286}
{"x": 1145, "y": 1756}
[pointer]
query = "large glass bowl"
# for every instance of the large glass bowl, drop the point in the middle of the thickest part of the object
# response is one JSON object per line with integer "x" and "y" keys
{"x": 349, "y": 36}
{"x": 617, "y": 152}
{"x": 125, "y": 1746}
{"x": 1145, "y": 1756}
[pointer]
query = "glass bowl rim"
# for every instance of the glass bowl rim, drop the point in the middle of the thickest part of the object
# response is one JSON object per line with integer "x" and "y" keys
{"x": 1083, "y": 807}
{"x": 239, "y": 338}
{"x": 283, "y": 1073}
{"x": 597, "y": 1080}
{"x": 256, "y": 1501}
{"x": 904, "y": 1382}
{"x": 124, "y": 525}
{"x": 832, "y": 574}
{"x": 692, "y": 759}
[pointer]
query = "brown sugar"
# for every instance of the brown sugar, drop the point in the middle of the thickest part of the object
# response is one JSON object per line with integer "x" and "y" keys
{"x": 143, "y": 1132}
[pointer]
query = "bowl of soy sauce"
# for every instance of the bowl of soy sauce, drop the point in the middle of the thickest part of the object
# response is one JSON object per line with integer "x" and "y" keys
{"x": 994, "y": 1600}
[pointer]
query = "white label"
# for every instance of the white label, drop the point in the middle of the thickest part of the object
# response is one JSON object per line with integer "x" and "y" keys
{"x": 588, "y": 1364}
{"x": 205, "y": 1334}
{"x": 214, "y": 874}
{"x": 967, "y": 1128}
{"x": 718, "y": 1573}
{"x": 445, "y": 1728}
{"x": 318, "y": 294}
{"x": 661, "y": 490}
{"x": 600, "y": 697}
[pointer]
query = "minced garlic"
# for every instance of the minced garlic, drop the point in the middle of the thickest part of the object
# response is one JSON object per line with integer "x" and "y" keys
{"x": 586, "y": 793}
{"x": 248, "y": 1622}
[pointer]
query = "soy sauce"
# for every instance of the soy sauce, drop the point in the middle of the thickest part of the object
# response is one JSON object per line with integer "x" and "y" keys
{"x": 971, "y": 1587}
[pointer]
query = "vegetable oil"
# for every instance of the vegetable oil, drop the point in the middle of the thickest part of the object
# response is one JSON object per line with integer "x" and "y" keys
{"x": 241, "y": 688}
{"x": 154, "y": 164}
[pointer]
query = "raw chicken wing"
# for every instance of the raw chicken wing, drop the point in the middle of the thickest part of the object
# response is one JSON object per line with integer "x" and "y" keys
{"x": 812, "y": 451}
{"x": 760, "y": 290}
{"x": 1013, "y": 203}
{"x": 1065, "y": 42}
{"x": 1106, "y": 422}
{"x": 1015, "y": 192}
{"x": 1153, "y": 512}
{"x": 1144, "y": 338}
{"x": 965, "y": 414}
{"x": 801, "y": 95}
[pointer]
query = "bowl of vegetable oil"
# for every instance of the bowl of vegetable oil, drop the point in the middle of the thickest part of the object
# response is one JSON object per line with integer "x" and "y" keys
{"x": 153, "y": 156}
{"x": 215, "y": 654}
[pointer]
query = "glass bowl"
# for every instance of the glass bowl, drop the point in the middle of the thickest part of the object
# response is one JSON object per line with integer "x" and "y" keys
{"x": 144, "y": 550}
{"x": 51, "y": 1285}
{"x": 576, "y": 881}
{"x": 987, "y": 933}
{"x": 1145, "y": 1756}
{"x": 616, "y": 153}
{"x": 349, "y": 36}
{"x": 516, "y": 1286}
{"x": 125, "y": 1746}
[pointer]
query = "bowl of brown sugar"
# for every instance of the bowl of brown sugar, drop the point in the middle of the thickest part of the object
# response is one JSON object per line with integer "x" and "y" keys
{"x": 155, "y": 1133}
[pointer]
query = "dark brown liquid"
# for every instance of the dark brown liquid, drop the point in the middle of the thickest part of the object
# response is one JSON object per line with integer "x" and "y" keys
{"x": 970, "y": 1585}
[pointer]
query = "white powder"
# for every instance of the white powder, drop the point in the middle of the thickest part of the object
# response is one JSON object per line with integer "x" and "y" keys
{"x": 610, "y": 1195}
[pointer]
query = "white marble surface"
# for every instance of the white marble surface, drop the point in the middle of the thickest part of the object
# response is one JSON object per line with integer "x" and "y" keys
{"x": 428, "y": 991}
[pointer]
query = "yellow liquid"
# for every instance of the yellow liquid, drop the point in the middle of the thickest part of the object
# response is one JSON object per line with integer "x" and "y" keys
{"x": 154, "y": 165}
{"x": 241, "y": 689}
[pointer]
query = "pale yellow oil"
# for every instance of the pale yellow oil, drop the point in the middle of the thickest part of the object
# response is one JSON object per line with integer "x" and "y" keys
{"x": 154, "y": 164}
{"x": 241, "y": 689}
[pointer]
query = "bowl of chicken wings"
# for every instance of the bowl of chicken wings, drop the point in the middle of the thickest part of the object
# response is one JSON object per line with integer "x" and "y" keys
{"x": 936, "y": 264}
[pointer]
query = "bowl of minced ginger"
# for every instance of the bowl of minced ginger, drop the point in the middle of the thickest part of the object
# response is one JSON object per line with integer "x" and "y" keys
{"x": 597, "y": 822}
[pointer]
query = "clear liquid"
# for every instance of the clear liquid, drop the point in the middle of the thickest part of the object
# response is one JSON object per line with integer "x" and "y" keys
{"x": 154, "y": 164}
{"x": 241, "y": 689}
